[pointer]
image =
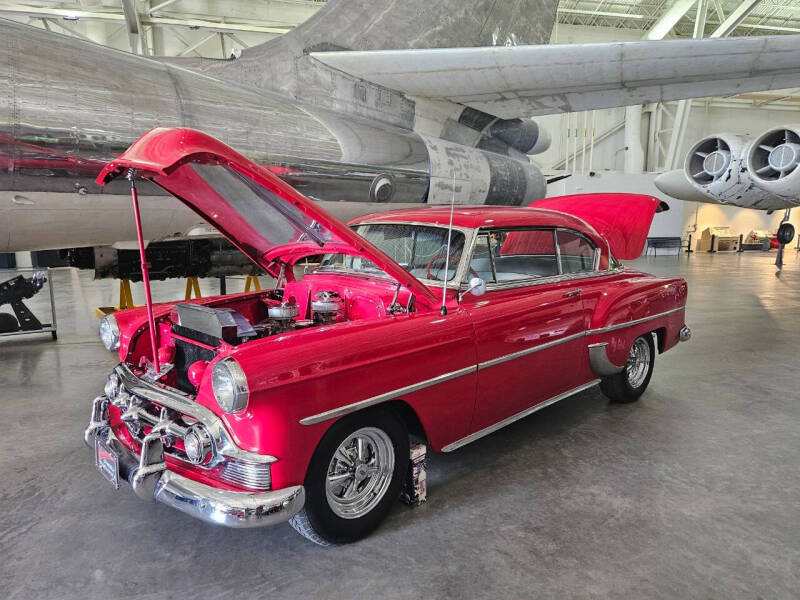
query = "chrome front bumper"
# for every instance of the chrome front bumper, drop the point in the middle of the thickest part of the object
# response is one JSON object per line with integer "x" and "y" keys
{"x": 150, "y": 479}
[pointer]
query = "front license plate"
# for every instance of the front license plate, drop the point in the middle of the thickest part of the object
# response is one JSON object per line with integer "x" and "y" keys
{"x": 107, "y": 461}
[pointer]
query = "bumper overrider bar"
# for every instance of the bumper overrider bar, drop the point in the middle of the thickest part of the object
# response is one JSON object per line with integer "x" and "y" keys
{"x": 150, "y": 477}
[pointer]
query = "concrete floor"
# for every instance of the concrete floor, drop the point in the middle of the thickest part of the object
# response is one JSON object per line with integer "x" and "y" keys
{"x": 693, "y": 492}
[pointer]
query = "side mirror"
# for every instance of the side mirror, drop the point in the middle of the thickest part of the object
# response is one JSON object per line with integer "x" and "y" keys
{"x": 477, "y": 287}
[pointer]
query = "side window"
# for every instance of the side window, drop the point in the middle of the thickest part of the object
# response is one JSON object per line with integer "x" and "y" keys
{"x": 523, "y": 254}
{"x": 577, "y": 253}
{"x": 481, "y": 263}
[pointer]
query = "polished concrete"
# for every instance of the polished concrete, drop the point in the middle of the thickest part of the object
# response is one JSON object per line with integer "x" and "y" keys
{"x": 693, "y": 492}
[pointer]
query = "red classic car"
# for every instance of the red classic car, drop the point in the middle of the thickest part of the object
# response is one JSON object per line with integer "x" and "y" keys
{"x": 296, "y": 403}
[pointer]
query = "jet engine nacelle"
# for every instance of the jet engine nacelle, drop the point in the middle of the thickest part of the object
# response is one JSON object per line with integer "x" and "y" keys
{"x": 715, "y": 167}
{"x": 773, "y": 159}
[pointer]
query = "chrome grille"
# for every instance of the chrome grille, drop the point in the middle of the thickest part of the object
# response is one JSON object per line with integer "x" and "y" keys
{"x": 249, "y": 475}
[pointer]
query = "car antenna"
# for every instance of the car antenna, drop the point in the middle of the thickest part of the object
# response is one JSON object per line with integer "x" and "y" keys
{"x": 443, "y": 311}
{"x": 131, "y": 175}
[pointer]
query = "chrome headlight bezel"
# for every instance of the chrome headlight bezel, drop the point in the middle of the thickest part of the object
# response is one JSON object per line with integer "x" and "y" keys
{"x": 229, "y": 384}
{"x": 109, "y": 332}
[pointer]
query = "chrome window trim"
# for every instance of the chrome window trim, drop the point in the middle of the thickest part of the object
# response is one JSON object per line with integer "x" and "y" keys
{"x": 559, "y": 266}
{"x": 516, "y": 417}
{"x": 393, "y": 394}
{"x": 595, "y": 247}
{"x": 508, "y": 285}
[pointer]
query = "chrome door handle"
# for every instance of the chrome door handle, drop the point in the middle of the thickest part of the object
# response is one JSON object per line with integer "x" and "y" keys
{"x": 572, "y": 293}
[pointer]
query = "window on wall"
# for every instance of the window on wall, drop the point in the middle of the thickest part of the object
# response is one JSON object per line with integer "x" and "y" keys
{"x": 514, "y": 255}
{"x": 577, "y": 252}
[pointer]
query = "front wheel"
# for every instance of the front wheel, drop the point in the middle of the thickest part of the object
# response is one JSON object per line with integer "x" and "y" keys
{"x": 629, "y": 384}
{"x": 354, "y": 477}
{"x": 785, "y": 233}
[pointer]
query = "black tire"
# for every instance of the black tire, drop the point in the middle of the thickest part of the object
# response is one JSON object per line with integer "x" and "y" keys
{"x": 785, "y": 233}
{"x": 619, "y": 387}
{"x": 8, "y": 323}
{"x": 317, "y": 521}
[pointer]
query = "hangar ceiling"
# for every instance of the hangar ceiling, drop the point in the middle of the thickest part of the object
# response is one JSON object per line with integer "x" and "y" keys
{"x": 215, "y": 28}
{"x": 767, "y": 17}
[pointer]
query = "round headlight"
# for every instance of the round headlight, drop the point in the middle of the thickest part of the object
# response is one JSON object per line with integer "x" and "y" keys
{"x": 109, "y": 332}
{"x": 197, "y": 444}
{"x": 229, "y": 385}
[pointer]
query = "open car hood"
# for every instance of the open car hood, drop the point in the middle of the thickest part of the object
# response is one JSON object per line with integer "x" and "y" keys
{"x": 248, "y": 204}
{"x": 622, "y": 219}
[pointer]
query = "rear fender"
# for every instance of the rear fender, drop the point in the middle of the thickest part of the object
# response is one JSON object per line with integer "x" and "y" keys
{"x": 622, "y": 314}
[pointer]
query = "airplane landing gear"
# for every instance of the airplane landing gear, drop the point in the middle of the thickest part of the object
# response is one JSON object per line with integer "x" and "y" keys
{"x": 785, "y": 236}
{"x": 785, "y": 233}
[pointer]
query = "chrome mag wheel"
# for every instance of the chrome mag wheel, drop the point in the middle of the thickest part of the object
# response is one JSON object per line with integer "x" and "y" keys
{"x": 638, "y": 363}
{"x": 360, "y": 472}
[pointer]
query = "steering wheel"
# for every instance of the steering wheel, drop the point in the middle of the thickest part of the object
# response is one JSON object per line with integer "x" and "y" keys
{"x": 453, "y": 260}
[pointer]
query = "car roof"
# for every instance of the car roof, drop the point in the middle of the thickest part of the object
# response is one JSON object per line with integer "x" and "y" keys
{"x": 473, "y": 217}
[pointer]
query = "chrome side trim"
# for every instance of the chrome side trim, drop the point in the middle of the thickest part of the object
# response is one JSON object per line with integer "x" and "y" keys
{"x": 348, "y": 408}
{"x": 391, "y": 395}
{"x": 508, "y": 285}
{"x": 520, "y": 415}
{"x": 634, "y": 322}
{"x": 599, "y": 361}
{"x": 519, "y": 354}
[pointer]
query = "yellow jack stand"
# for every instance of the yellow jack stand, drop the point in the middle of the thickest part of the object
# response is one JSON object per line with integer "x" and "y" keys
{"x": 125, "y": 300}
{"x": 252, "y": 280}
{"x": 192, "y": 286}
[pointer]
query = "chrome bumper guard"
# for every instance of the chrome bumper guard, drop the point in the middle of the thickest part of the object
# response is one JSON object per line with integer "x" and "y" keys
{"x": 685, "y": 334}
{"x": 150, "y": 479}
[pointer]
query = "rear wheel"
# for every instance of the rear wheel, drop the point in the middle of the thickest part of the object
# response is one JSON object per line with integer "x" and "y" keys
{"x": 354, "y": 477}
{"x": 629, "y": 384}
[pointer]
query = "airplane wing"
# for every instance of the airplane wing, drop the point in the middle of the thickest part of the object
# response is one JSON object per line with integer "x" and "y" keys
{"x": 527, "y": 81}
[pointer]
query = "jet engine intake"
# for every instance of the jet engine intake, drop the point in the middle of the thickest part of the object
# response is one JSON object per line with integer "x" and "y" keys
{"x": 715, "y": 166}
{"x": 772, "y": 160}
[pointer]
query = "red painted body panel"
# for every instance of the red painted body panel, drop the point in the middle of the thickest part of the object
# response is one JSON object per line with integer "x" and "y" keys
{"x": 507, "y": 322}
{"x": 488, "y": 358}
{"x": 623, "y": 219}
{"x": 165, "y": 155}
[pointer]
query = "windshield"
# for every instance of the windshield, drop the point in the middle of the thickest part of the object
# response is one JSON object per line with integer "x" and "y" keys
{"x": 419, "y": 249}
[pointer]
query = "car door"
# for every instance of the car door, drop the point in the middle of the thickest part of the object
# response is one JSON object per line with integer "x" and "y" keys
{"x": 529, "y": 325}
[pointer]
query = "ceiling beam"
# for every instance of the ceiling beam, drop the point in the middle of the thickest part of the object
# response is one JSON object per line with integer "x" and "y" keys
{"x": 192, "y": 47}
{"x": 669, "y": 19}
{"x": 735, "y": 18}
{"x": 118, "y": 17}
{"x": 599, "y": 13}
